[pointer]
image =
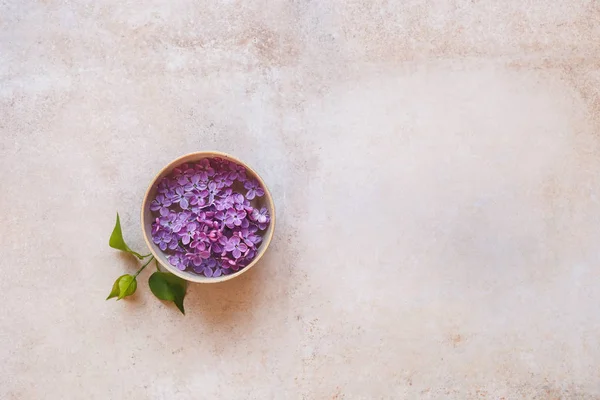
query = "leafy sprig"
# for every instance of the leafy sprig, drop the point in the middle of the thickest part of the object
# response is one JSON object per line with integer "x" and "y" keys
{"x": 164, "y": 285}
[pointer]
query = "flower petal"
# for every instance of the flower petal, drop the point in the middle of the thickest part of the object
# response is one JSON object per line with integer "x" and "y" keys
{"x": 184, "y": 203}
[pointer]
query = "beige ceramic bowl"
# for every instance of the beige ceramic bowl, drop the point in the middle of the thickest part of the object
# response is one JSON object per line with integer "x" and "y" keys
{"x": 147, "y": 218}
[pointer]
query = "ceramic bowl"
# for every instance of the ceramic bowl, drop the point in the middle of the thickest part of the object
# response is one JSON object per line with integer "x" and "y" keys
{"x": 148, "y": 218}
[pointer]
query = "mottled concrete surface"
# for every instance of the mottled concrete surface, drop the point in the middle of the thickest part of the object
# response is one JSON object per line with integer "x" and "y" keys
{"x": 435, "y": 166}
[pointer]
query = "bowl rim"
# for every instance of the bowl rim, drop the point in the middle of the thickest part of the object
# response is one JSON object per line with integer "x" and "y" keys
{"x": 266, "y": 239}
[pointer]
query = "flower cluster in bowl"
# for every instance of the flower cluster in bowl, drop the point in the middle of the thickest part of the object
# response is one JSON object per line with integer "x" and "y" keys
{"x": 206, "y": 217}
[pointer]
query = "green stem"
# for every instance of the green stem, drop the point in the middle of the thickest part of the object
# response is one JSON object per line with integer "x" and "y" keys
{"x": 143, "y": 266}
{"x": 156, "y": 262}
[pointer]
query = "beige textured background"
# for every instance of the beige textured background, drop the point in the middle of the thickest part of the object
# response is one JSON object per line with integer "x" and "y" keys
{"x": 436, "y": 170}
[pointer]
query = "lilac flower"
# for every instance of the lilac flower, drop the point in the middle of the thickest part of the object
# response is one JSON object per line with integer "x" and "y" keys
{"x": 234, "y": 218}
{"x": 199, "y": 206}
{"x": 161, "y": 204}
{"x": 204, "y": 166}
{"x": 261, "y": 217}
{"x": 183, "y": 171}
{"x": 249, "y": 237}
{"x": 205, "y": 217}
{"x": 203, "y": 250}
{"x": 242, "y": 204}
{"x": 224, "y": 203}
{"x": 221, "y": 215}
{"x": 237, "y": 172}
{"x": 186, "y": 234}
{"x": 200, "y": 239}
{"x": 223, "y": 199}
{"x": 179, "y": 261}
{"x": 217, "y": 248}
{"x": 238, "y": 201}
{"x": 250, "y": 255}
{"x": 228, "y": 263}
{"x": 254, "y": 189}
{"x": 211, "y": 191}
{"x": 205, "y": 267}
{"x": 235, "y": 246}
{"x": 247, "y": 259}
{"x": 191, "y": 198}
{"x": 166, "y": 222}
{"x": 222, "y": 180}
{"x": 215, "y": 235}
{"x": 198, "y": 256}
{"x": 183, "y": 218}
{"x": 164, "y": 239}
{"x": 225, "y": 192}
{"x": 196, "y": 182}
{"x": 176, "y": 196}
{"x": 229, "y": 178}
{"x": 164, "y": 186}
{"x": 155, "y": 226}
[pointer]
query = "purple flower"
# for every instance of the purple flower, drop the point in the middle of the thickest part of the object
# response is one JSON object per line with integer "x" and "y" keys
{"x": 182, "y": 174}
{"x": 225, "y": 192}
{"x": 187, "y": 233}
{"x": 217, "y": 247}
{"x": 237, "y": 172}
{"x": 197, "y": 182}
{"x": 176, "y": 196}
{"x": 164, "y": 186}
{"x": 200, "y": 239}
{"x": 205, "y": 267}
{"x": 170, "y": 222}
{"x": 227, "y": 263}
{"x": 211, "y": 191}
{"x": 248, "y": 257}
{"x": 161, "y": 204}
{"x": 191, "y": 198}
{"x": 234, "y": 218}
{"x": 254, "y": 189}
{"x": 242, "y": 204}
{"x": 222, "y": 180}
{"x": 238, "y": 201}
{"x": 199, "y": 206}
{"x": 156, "y": 226}
{"x": 204, "y": 166}
{"x": 215, "y": 235}
{"x": 198, "y": 256}
{"x": 224, "y": 203}
{"x": 205, "y": 217}
{"x": 221, "y": 215}
{"x": 178, "y": 260}
{"x": 235, "y": 246}
{"x": 183, "y": 218}
{"x": 249, "y": 237}
{"x": 229, "y": 178}
{"x": 203, "y": 250}
{"x": 261, "y": 217}
{"x": 164, "y": 239}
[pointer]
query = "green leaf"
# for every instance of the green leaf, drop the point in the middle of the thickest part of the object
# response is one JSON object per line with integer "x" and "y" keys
{"x": 169, "y": 287}
{"x": 115, "y": 290}
{"x": 124, "y": 286}
{"x": 127, "y": 286}
{"x": 116, "y": 240}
